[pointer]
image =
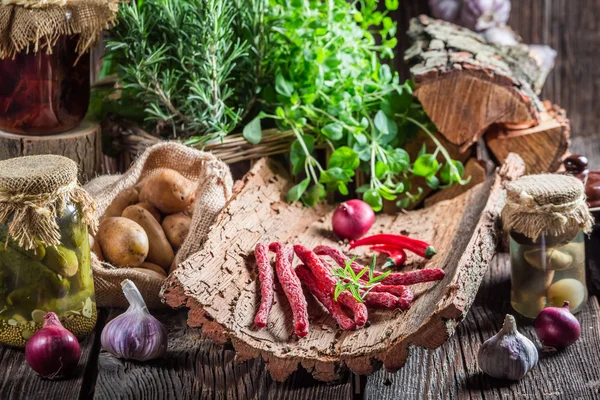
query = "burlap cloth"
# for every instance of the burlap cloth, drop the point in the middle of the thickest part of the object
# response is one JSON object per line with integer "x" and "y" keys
{"x": 214, "y": 190}
{"x": 34, "y": 192}
{"x": 548, "y": 204}
{"x": 29, "y": 25}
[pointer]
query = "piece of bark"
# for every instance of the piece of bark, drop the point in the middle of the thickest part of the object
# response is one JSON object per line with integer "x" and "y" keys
{"x": 82, "y": 145}
{"x": 543, "y": 147}
{"x": 219, "y": 284}
{"x": 465, "y": 85}
{"x": 474, "y": 170}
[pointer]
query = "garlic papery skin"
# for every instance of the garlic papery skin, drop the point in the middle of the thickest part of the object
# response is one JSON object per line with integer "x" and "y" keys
{"x": 508, "y": 354}
{"x": 135, "y": 334}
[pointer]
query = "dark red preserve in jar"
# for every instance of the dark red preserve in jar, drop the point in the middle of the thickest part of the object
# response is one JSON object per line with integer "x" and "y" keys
{"x": 42, "y": 93}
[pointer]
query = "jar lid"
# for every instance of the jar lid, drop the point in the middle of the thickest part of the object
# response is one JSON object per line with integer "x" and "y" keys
{"x": 34, "y": 191}
{"x": 31, "y": 25}
{"x": 549, "y": 204}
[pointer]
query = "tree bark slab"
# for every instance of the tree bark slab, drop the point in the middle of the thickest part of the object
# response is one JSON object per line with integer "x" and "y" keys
{"x": 82, "y": 145}
{"x": 466, "y": 85}
{"x": 219, "y": 284}
{"x": 543, "y": 147}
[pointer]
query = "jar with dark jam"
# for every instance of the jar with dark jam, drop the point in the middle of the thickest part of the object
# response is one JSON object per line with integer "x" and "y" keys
{"x": 44, "y": 93}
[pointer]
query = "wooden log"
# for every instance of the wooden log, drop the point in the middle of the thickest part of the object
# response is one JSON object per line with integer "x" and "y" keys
{"x": 542, "y": 147}
{"x": 82, "y": 145}
{"x": 466, "y": 85}
{"x": 220, "y": 288}
{"x": 474, "y": 170}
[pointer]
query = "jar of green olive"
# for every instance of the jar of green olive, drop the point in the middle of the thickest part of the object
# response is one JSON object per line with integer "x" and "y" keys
{"x": 45, "y": 262}
{"x": 546, "y": 216}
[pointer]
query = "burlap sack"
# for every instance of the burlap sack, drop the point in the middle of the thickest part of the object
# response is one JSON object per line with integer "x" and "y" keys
{"x": 546, "y": 204}
{"x": 214, "y": 190}
{"x": 29, "y": 25}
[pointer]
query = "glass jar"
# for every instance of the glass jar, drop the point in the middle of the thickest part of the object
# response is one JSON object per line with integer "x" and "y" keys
{"x": 547, "y": 272}
{"x": 44, "y": 94}
{"x": 58, "y": 279}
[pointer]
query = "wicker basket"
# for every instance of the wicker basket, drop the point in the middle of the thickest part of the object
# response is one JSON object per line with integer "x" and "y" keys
{"x": 127, "y": 141}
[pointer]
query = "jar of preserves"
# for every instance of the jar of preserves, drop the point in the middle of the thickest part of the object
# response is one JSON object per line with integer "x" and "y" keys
{"x": 45, "y": 262}
{"x": 546, "y": 217}
{"x": 48, "y": 92}
{"x": 44, "y": 62}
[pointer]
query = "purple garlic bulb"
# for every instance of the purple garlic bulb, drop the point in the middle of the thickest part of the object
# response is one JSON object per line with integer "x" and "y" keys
{"x": 448, "y": 10}
{"x": 480, "y": 15}
{"x": 135, "y": 334}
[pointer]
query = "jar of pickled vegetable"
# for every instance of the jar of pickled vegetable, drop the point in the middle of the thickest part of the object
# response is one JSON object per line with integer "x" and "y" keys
{"x": 45, "y": 262}
{"x": 546, "y": 217}
{"x": 44, "y": 62}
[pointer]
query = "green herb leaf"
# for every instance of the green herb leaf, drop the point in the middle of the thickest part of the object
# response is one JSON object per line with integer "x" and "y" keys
{"x": 373, "y": 198}
{"x": 283, "y": 87}
{"x": 426, "y": 165}
{"x": 333, "y": 131}
{"x": 252, "y": 131}
{"x": 297, "y": 191}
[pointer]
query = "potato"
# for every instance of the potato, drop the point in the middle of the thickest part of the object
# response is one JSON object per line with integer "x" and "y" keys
{"x": 123, "y": 242}
{"x": 123, "y": 200}
{"x": 168, "y": 190}
{"x": 176, "y": 227}
{"x": 153, "y": 267}
{"x": 95, "y": 246}
{"x": 151, "y": 273}
{"x": 160, "y": 251}
{"x": 152, "y": 210}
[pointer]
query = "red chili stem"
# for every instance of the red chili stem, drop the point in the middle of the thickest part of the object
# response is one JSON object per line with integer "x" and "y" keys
{"x": 291, "y": 286}
{"x": 266, "y": 278}
{"x": 334, "y": 308}
{"x": 328, "y": 282}
{"x": 419, "y": 247}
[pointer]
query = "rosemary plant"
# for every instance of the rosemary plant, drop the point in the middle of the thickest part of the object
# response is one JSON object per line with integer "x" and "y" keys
{"x": 194, "y": 65}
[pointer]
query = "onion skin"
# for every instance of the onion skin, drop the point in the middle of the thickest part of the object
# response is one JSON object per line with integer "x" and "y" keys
{"x": 53, "y": 352}
{"x": 352, "y": 219}
{"x": 556, "y": 327}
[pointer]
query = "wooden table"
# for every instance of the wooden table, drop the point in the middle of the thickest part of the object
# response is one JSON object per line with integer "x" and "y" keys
{"x": 195, "y": 368}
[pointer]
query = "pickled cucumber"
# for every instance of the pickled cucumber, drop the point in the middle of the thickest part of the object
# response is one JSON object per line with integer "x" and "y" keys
{"x": 61, "y": 260}
{"x": 32, "y": 273}
{"x": 553, "y": 259}
{"x": 74, "y": 234}
{"x": 83, "y": 279}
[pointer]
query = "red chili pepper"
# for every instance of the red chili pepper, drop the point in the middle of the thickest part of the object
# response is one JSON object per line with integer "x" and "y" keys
{"x": 333, "y": 307}
{"x": 419, "y": 247}
{"x": 265, "y": 276}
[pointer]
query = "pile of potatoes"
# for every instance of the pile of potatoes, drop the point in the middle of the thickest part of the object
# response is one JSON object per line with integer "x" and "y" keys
{"x": 145, "y": 225}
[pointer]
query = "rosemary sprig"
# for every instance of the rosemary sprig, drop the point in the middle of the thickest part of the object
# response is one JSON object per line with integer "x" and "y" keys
{"x": 347, "y": 279}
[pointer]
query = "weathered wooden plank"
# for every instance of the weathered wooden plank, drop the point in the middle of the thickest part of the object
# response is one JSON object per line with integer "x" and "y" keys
{"x": 451, "y": 371}
{"x": 19, "y": 382}
{"x": 197, "y": 368}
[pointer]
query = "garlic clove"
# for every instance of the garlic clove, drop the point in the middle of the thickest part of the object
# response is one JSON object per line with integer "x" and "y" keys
{"x": 508, "y": 354}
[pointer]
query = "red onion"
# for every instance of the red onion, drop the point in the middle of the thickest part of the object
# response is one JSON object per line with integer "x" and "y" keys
{"x": 53, "y": 352}
{"x": 352, "y": 219}
{"x": 557, "y": 327}
{"x": 480, "y": 15}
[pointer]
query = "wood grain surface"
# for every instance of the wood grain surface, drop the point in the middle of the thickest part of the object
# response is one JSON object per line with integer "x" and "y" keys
{"x": 82, "y": 145}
